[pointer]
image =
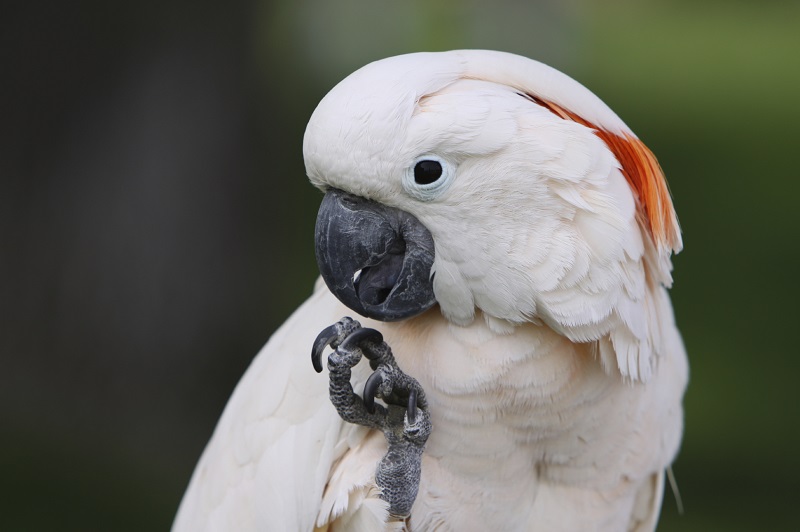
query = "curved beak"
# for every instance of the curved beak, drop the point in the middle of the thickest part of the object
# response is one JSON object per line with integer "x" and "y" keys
{"x": 375, "y": 259}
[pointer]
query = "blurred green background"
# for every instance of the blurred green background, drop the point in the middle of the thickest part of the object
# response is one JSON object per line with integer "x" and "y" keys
{"x": 156, "y": 225}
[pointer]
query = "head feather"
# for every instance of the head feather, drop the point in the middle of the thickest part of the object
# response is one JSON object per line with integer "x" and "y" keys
{"x": 643, "y": 173}
{"x": 570, "y": 100}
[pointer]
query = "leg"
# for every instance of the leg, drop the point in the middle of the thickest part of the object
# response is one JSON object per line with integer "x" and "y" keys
{"x": 404, "y": 421}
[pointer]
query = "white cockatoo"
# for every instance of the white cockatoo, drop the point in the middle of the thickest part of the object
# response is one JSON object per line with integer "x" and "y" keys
{"x": 504, "y": 241}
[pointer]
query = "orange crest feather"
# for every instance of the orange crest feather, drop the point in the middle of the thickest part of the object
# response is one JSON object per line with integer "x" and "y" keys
{"x": 643, "y": 173}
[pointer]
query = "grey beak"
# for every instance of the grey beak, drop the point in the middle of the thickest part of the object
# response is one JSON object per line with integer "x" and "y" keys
{"x": 375, "y": 259}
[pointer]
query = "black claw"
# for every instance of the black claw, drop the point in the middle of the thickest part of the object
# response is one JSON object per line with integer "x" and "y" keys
{"x": 412, "y": 406}
{"x": 324, "y": 338}
{"x": 370, "y": 388}
{"x": 359, "y": 336}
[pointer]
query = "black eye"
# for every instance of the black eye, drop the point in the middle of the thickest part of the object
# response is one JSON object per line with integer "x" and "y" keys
{"x": 427, "y": 172}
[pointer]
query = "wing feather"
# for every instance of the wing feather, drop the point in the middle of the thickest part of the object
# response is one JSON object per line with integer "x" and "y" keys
{"x": 270, "y": 457}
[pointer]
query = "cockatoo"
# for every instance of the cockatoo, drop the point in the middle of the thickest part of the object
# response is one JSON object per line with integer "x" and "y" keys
{"x": 496, "y": 242}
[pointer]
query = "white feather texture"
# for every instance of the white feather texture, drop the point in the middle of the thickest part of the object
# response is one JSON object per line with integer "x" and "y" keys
{"x": 552, "y": 365}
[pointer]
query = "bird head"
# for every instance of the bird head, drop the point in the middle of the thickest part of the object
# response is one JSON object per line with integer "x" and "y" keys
{"x": 487, "y": 183}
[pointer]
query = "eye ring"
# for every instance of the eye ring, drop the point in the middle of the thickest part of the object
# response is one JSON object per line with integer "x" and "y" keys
{"x": 428, "y": 177}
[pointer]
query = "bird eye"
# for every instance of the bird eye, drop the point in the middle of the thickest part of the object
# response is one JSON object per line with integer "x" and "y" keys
{"x": 427, "y": 172}
{"x": 428, "y": 177}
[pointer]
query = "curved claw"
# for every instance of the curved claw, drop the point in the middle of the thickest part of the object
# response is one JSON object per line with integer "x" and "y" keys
{"x": 324, "y": 339}
{"x": 412, "y": 406}
{"x": 371, "y": 386}
{"x": 359, "y": 336}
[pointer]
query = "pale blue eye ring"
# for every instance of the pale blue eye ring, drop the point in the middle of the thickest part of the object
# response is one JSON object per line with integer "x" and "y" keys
{"x": 428, "y": 177}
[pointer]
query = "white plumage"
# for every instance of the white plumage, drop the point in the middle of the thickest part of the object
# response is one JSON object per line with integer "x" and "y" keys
{"x": 552, "y": 365}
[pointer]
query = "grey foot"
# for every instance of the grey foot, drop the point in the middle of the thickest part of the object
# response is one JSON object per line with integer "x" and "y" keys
{"x": 404, "y": 421}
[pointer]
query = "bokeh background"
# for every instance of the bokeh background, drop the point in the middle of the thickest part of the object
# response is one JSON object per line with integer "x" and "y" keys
{"x": 156, "y": 225}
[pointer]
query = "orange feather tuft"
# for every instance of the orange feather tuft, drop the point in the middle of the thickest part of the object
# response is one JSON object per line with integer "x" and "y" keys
{"x": 643, "y": 173}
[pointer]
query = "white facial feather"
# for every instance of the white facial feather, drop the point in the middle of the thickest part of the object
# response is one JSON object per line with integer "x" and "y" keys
{"x": 537, "y": 223}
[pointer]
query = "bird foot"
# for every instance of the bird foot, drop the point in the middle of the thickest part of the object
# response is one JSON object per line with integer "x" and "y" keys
{"x": 404, "y": 421}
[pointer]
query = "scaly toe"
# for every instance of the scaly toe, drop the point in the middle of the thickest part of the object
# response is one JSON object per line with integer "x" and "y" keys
{"x": 361, "y": 336}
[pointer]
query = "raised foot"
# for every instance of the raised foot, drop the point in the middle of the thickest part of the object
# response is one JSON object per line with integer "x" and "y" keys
{"x": 404, "y": 421}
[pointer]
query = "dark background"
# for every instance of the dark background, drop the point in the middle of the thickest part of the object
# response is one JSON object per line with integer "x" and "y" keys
{"x": 156, "y": 225}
